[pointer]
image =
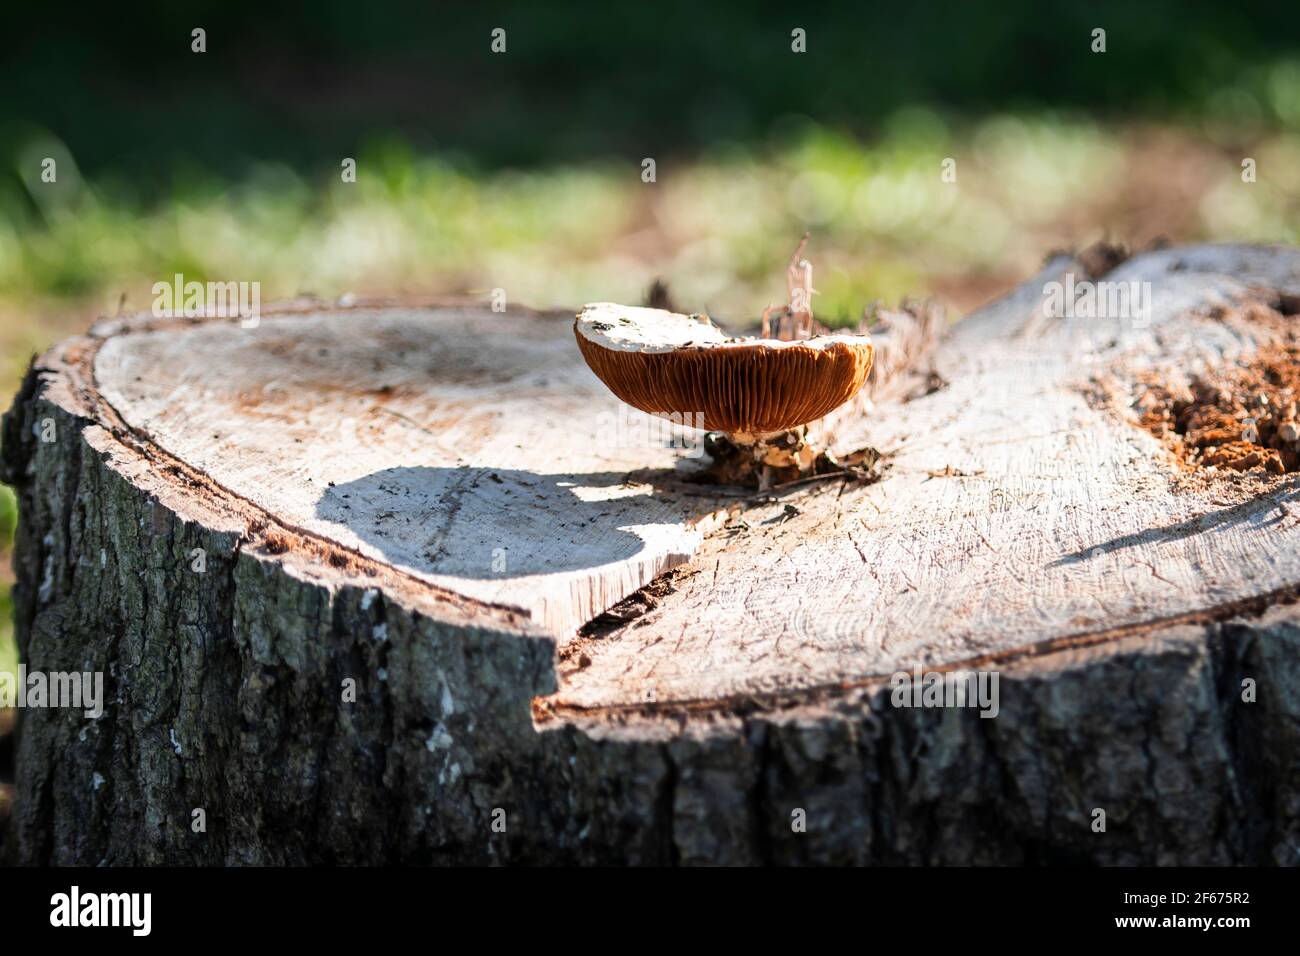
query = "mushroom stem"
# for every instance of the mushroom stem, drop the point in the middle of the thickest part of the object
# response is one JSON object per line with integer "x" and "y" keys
{"x": 783, "y": 459}
{"x": 755, "y": 460}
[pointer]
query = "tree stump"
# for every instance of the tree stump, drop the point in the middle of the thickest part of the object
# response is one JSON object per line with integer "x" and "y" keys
{"x": 386, "y": 584}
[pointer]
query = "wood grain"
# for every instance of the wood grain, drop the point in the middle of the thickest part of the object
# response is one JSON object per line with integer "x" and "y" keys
{"x": 1019, "y": 510}
{"x": 469, "y": 449}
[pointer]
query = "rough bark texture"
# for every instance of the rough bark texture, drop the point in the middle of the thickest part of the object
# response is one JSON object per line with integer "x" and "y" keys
{"x": 225, "y": 694}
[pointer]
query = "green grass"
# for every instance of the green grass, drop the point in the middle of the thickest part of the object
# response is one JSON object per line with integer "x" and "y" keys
{"x": 719, "y": 228}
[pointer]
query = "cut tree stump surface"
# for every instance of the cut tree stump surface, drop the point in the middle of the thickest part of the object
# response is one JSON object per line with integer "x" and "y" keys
{"x": 1019, "y": 508}
{"x": 1023, "y": 509}
{"x": 469, "y": 449}
{"x": 541, "y": 614}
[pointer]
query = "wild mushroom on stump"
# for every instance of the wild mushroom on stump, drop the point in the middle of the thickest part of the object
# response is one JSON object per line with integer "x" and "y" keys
{"x": 759, "y": 393}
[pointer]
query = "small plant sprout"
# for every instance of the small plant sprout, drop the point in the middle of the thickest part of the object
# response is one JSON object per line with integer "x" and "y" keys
{"x": 758, "y": 393}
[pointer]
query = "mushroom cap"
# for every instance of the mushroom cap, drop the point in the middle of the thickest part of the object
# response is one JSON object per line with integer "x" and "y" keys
{"x": 666, "y": 363}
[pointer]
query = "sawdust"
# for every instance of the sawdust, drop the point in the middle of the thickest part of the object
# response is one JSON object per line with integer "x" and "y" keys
{"x": 1239, "y": 418}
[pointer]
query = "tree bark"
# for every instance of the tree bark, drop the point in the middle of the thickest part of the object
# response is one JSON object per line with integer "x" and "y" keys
{"x": 660, "y": 672}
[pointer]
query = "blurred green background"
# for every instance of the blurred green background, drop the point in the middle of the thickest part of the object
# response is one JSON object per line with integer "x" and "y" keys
{"x": 522, "y": 170}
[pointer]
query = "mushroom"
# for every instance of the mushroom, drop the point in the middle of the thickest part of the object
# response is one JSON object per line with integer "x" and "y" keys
{"x": 685, "y": 367}
{"x": 753, "y": 395}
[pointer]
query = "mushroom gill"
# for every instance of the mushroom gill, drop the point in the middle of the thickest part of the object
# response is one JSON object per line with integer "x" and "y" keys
{"x": 685, "y": 367}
